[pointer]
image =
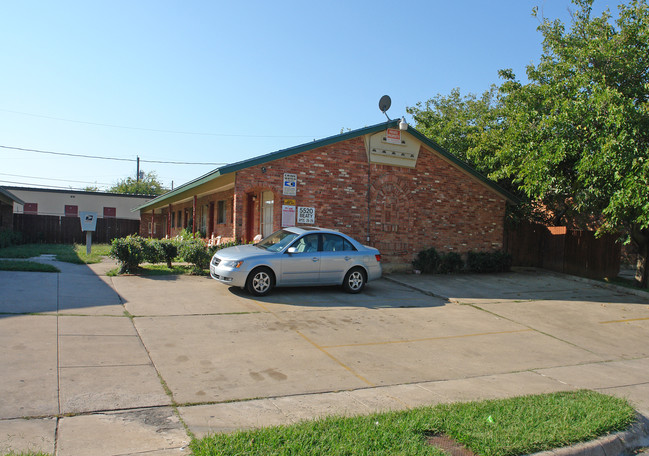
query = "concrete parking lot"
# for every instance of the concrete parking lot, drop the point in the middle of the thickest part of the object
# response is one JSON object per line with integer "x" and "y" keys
{"x": 124, "y": 365}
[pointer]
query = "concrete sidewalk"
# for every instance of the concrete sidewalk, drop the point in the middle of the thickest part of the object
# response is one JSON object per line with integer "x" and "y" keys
{"x": 115, "y": 366}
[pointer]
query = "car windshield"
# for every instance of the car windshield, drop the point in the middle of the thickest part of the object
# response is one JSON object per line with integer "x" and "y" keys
{"x": 277, "y": 241}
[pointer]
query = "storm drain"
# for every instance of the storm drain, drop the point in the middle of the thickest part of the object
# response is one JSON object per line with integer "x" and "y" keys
{"x": 449, "y": 445}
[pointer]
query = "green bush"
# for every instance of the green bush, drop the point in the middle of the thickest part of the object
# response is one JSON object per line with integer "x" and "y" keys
{"x": 153, "y": 252}
{"x": 430, "y": 261}
{"x": 9, "y": 238}
{"x": 450, "y": 263}
{"x": 427, "y": 260}
{"x": 169, "y": 249}
{"x": 488, "y": 261}
{"x": 194, "y": 250}
{"x": 129, "y": 252}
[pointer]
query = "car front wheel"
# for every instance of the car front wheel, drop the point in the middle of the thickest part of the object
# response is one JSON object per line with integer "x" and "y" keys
{"x": 260, "y": 282}
{"x": 354, "y": 280}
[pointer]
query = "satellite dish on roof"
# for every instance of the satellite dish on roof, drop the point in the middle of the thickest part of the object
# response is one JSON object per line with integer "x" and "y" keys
{"x": 384, "y": 104}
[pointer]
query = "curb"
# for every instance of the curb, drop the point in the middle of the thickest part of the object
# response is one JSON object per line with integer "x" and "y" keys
{"x": 620, "y": 443}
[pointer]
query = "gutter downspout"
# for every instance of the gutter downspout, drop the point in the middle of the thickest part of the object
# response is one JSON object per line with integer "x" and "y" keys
{"x": 368, "y": 144}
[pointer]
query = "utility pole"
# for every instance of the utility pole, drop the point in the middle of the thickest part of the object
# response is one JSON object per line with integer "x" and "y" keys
{"x": 138, "y": 169}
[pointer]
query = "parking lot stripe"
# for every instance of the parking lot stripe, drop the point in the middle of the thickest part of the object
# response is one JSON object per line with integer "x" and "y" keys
{"x": 332, "y": 357}
{"x": 345, "y": 366}
{"x": 624, "y": 321}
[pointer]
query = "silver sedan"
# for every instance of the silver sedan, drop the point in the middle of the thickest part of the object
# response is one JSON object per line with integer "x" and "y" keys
{"x": 297, "y": 256}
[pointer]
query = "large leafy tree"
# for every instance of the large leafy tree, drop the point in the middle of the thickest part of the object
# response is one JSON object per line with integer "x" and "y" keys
{"x": 148, "y": 185}
{"x": 467, "y": 126}
{"x": 577, "y": 134}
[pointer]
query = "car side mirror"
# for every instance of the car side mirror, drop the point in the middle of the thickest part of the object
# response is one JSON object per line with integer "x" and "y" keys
{"x": 291, "y": 250}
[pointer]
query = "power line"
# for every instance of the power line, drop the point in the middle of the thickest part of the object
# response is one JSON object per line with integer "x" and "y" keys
{"x": 155, "y": 129}
{"x": 111, "y": 158}
{"x": 53, "y": 179}
{"x": 40, "y": 185}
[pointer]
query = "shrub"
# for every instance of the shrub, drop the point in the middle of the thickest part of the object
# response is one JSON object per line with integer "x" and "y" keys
{"x": 9, "y": 238}
{"x": 153, "y": 252}
{"x": 129, "y": 252}
{"x": 451, "y": 263}
{"x": 488, "y": 261}
{"x": 194, "y": 250}
{"x": 427, "y": 260}
{"x": 169, "y": 249}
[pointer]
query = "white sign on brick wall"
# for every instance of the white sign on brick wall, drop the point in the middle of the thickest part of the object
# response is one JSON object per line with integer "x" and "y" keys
{"x": 290, "y": 184}
{"x": 305, "y": 215}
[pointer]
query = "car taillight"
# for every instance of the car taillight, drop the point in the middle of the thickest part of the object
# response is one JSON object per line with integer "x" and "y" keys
{"x": 378, "y": 257}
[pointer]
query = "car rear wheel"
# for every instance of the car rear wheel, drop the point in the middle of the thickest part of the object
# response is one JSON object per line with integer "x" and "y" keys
{"x": 354, "y": 280}
{"x": 260, "y": 281}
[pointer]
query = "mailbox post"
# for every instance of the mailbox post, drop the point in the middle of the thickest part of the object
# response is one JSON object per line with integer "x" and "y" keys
{"x": 88, "y": 224}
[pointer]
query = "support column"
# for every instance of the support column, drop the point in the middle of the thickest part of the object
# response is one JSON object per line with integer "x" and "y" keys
{"x": 194, "y": 214}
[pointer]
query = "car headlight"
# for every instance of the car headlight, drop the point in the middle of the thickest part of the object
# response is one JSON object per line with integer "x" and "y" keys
{"x": 233, "y": 264}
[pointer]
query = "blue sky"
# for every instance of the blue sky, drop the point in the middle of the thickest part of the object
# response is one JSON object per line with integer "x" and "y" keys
{"x": 219, "y": 82}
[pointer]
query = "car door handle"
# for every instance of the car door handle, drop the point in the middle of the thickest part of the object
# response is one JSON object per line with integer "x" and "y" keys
{"x": 347, "y": 258}
{"x": 315, "y": 259}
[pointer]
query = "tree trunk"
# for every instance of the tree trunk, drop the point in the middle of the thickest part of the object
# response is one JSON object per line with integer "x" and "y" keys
{"x": 640, "y": 237}
{"x": 642, "y": 271}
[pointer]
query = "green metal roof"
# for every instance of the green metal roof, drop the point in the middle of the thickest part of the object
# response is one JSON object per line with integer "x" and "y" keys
{"x": 11, "y": 196}
{"x": 234, "y": 167}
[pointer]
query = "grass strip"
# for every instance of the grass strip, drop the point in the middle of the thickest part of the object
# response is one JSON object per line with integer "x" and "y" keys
{"x": 69, "y": 253}
{"x": 162, "y": 270}
{"x": 26, "y": 266}
{"x": 506, "y": 427}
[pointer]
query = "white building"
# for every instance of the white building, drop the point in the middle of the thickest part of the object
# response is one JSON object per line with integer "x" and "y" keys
{"x": 40, "y": 201}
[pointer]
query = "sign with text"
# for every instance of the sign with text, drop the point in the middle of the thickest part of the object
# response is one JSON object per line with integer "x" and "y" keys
{"x": 290, "y": 184}
{"x": 305, "y": 215}
{"x": 393, "y": 136}
{"x": 288, "y": 216}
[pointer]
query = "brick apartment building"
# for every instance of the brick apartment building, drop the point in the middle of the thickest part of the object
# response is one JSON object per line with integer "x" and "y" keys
{"x": 395, "y": 190}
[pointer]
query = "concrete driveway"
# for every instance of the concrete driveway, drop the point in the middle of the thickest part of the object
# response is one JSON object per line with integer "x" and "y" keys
{"x": 125, "y": 365}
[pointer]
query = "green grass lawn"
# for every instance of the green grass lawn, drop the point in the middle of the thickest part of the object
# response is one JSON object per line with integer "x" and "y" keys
{"x": 506, "y": 427}
{"x": 28, "y": 266}
{"x": 64, "y": 252}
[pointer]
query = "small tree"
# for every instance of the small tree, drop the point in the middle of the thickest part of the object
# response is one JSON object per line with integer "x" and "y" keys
{"x": 149, "y": 185}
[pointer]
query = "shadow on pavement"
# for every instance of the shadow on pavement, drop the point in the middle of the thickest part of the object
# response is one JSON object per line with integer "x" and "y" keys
{"x": 75, "y": 288}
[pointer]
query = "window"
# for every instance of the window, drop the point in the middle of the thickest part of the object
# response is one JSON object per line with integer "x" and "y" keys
{"x": 335, "y": 243}
{"x": 110, "y": 212}
{"x": 30, "y": 208}
{"x": 71, "y": 210}
{"x": 173, "y": 219}
{"x": 221, "y": 212}
{"x": 308, "y": 243}
{"x": 180, "y": 219}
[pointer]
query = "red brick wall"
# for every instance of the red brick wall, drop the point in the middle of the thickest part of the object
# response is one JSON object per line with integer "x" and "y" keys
{"x": 155, "y": 229}
{"x": 225, "y": 230}
{"x": 433, "y": 205}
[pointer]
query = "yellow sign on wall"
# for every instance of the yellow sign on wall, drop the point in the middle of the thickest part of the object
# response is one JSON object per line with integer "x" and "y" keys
{"x": 289, "y": 202}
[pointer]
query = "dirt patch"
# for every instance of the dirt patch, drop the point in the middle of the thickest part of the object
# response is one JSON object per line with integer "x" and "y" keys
{"x": 448, "y": 445}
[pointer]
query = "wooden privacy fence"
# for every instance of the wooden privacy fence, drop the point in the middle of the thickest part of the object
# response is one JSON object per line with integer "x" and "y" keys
{"x": 560, "y": 249}
{"x": 56, "y": 229}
